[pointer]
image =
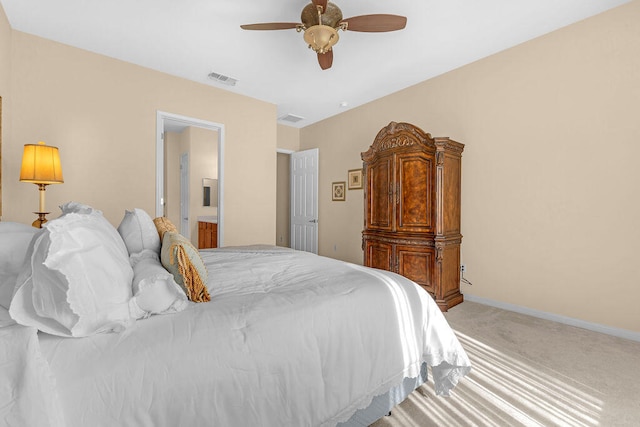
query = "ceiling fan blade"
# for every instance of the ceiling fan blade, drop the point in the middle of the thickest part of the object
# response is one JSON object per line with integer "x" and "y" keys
{"x": 376, "y": 23}
{"x": 270, "y": 26}
{"x": 325, "y": 60}
{"x": 322, "y": 3}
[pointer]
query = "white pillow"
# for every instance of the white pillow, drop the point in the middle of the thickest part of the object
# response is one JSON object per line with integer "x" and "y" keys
{"x": 154, "y": 290}
{"x": 139, "y": 232}
{"x": 14, "y": 241}
{"x": 76, "y": 280}
{"x": 77, "y": 207}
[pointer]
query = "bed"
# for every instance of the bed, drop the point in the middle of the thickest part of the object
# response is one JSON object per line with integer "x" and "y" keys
{"x": 288, "y": 338}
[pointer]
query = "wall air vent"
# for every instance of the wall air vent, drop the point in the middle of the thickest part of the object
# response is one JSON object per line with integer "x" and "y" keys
{"x": 291, "y": 118}
{"x": 229, "y": 81}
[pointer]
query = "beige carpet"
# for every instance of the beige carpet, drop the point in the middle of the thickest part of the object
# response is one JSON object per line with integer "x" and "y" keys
{"x": 530, "y": 372}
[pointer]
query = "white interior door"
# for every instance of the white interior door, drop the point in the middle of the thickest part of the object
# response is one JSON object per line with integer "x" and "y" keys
{"x": 184, "y": 195}
{"x": 304, "y": 200}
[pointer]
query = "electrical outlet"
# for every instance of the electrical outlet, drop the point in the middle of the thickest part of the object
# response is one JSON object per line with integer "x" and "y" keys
{"x": 463, "y": 268}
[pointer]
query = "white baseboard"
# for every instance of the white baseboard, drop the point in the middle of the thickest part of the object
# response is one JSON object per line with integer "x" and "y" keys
{"x": 596, "y": 327}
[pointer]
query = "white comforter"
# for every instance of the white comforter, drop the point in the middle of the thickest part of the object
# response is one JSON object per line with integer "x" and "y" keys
{"x": 27, "y": 393}
{"x": 288, "y": 339}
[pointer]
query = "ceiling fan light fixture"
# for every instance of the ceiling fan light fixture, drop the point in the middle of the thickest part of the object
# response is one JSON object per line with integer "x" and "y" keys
{"x": 321, "y": 38}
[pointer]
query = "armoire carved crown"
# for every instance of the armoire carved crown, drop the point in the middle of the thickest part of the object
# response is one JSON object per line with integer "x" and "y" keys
{"x": 397, "y": 135}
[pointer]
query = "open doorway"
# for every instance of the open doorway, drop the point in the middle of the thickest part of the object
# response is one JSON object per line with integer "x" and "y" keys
{"x": 185, "y": 197}
{"x": 283, "y": 189}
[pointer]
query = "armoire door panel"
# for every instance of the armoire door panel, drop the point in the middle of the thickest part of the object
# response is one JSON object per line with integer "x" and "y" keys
{"x": 414, "y": 192}
{"x": 451, "y": 195}
{"x": 379, "y": 195}
{"x": 416, "y": 263}
{"x": 379, "y": 255}
{"x": 450, "y": 281}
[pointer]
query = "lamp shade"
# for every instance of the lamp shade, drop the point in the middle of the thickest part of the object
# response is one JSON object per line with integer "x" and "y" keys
{"x": 41, "y": 164}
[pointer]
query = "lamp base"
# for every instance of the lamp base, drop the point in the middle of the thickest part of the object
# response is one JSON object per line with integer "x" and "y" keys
{"x": 41, "y": 219}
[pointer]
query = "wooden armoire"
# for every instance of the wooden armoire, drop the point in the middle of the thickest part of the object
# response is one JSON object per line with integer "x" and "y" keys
{"x": 412, "y": 209}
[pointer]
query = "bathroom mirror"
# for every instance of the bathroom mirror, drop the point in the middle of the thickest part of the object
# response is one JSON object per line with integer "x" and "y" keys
{"x": 209, "y": 192}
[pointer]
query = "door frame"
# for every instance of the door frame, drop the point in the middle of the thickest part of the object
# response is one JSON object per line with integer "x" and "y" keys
{"x": 184, "y": 196}
{"x": 161, "y": 117}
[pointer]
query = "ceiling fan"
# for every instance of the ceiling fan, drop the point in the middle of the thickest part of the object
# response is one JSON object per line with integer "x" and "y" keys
{"x": 321, "y": 21}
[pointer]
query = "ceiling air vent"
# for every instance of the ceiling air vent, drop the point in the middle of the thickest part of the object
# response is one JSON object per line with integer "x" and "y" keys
{"x": 229, "y": 81}
{"x": 292, "y": 118}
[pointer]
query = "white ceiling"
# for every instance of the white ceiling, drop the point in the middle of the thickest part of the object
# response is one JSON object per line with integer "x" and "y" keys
{"x": 192, "y": 38}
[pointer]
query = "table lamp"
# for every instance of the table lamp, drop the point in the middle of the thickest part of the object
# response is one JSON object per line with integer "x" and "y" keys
{"x": 41, "y": 166}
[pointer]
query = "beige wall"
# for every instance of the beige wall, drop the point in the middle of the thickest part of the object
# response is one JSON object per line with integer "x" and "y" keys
{"x": 101, "y": 113}
{"x": 288, "y": 138}
{"x": 5, "y": 69}
{"x": 550, "y": 179}
{"x": 5, "y": 53}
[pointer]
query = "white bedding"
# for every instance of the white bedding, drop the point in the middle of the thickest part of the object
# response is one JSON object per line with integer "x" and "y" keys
{"x": 27, "y": 390}
{"x": 288, "y": 339}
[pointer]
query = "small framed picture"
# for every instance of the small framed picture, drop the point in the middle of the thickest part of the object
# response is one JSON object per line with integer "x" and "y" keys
{"x": 338, "y": 193}
{"x": 355, "y": 179}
